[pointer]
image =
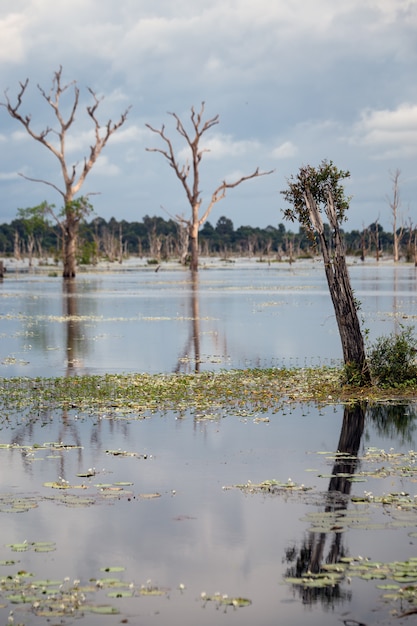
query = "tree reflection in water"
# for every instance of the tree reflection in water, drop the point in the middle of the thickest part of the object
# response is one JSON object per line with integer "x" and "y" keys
{"x": 73, "y": 326}
{"x": 391, "y": 421}
{"x": 193, "y": 342}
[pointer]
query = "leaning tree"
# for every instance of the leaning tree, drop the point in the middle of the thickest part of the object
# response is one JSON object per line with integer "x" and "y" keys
{"x": 189, "y": 173}
{"x": 311, "y": 193}
{"x": 55, "y": 140}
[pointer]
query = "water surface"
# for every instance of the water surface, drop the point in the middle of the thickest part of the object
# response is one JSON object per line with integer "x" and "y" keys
{"x": 251, "y": 315}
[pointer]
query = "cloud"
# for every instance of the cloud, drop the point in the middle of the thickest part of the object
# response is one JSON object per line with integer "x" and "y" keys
{"x": 288, "y": 78}
{"x": 8, "y": 175}
{"x": 388, "y": 133}
{"x": 12, "y": 46}
{"x": 221, "y": 146}
{"x": 104, "y": 167}
{"x": 285, "y": 150}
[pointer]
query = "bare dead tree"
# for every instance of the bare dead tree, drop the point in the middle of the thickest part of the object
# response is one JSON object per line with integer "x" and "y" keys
{"x": 188, "y": 173}
{"x": 394, "y": 204}
{"x": 73, "y": 176}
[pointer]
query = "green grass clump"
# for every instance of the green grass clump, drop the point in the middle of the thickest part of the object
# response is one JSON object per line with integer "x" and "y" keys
{"x": 392, "y": 359}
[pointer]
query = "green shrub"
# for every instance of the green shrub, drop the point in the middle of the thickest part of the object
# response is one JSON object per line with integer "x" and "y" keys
{"x": 392, "y": 359}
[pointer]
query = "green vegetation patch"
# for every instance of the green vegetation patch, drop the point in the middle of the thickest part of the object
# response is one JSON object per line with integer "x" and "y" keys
{"x": 269, "y": 486}
{"x": 208, "y": 395}
{"x": 399, "y": 580}
{"x": 223, "y": 600}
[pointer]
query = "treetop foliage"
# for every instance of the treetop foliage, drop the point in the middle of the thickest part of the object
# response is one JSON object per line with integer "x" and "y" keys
{"x": 316, "y": 183}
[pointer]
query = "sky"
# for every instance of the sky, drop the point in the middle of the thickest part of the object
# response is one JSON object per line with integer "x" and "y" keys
{"x": 294, "y": 82}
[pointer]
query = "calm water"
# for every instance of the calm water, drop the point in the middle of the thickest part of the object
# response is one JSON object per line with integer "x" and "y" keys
{"x": 197, "y": 536}
{"x": 252, "y": 315}
{"x": 197, "y": 533}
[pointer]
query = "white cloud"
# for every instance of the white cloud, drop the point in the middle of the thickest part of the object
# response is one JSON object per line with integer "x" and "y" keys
{"x": 285, "y": 150}
{"x": 392, "y": 133}
{"x": 104, "y": 167}
{"x": 12, "y": 28}
{"x": 288, "y": 78}
{"x": 222, "y": 146}
{"x": 8, "y": 175}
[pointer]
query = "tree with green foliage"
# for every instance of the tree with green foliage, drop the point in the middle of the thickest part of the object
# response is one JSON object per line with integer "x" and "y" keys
{"x": 35, "y": 225}
{"x": 55, "y": 140}
{"x": 312, "y": 193}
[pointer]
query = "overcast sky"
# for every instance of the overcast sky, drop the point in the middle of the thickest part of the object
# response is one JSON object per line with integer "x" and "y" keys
{"x": 293, "y": 81}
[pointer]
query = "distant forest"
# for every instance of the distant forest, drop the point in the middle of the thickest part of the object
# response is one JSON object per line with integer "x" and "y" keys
{"x": 159, "y": 239}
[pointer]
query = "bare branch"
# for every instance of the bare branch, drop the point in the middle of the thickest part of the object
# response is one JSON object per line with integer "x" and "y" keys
{"x": 71, "y": 185}
{"x": 45, "y": 182}
{"x": 189, "y": 172}
{"x": 182, "y": 171}
{"x": 220, "y": 192}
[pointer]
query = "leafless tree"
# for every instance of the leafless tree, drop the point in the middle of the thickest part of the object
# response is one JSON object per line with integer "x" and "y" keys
{"x": 189, "y": 172}
{"x": 394, "y": 204}
{"x": 73, "y": 210}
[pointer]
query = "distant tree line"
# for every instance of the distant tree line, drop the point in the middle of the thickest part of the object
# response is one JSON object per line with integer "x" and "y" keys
{"x": 31, "y": 236}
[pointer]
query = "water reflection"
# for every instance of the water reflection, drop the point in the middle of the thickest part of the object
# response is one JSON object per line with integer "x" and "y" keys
{"x": 395, "y": 422}
{"x": 191, "y": 352}
{"x": 134, "y": 321}
{"x": 70, "y": 312}
{"x": 196, "y": 533}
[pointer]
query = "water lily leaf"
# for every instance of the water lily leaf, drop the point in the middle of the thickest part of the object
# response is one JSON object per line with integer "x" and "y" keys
{"x": 19, "y": 547}
{"x": 44, "y": 546}
{"x": 149, "y": 496}
{"x": 20, "y": 598}
{"x": 121, "y": 453}
{"x": 240, "y": 602}
{"x": 102, "y": 609}
{"x": 152, "y": 591}
{"x": 112, "y": 569}
{"x": 47, "y": 583}
{"x": 120, "y": 594}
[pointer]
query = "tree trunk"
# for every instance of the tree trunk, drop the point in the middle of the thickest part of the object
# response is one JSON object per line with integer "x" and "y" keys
{"x": 194, "y": 226}
{"x": 340, "y": 289}
{"x": 69, "y": 248}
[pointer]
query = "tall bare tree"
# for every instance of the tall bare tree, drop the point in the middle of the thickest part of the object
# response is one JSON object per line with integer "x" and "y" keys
{"x": 189, "y": 172}
{"x": 73, "y": 175}
{"x": 313, "y": 192}
{"x": 394, "y": 204}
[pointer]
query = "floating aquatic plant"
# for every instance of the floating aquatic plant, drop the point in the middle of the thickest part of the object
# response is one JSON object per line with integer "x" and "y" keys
{"x": 223, "y": 600}
{"x": 269, "y": 486}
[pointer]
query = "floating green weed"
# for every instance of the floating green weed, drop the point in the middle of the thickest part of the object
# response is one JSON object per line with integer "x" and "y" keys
{"x": 269, "y": 486}
{"x": 36, "y": 546}
{"x": 223, "y": 600}
{"x": 209, "y": 395}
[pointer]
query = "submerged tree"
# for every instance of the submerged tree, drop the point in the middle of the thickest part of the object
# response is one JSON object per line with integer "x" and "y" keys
{"x": 394, "y": 204}
{"x": 189, "y": 172}
{"x": 311, "y": 193}
{"x": 73, "y": 177}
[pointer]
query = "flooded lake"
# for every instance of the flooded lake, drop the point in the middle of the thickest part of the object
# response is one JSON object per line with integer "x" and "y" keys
{"x": 251, "y": 315}
{"x": 169, "y": 520}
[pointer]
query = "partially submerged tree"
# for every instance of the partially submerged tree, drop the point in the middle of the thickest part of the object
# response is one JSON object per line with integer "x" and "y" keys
{"x": 73, "y": 176}
{"x": 311, "y": 193}
{"x": 189, "y": 172}
{"x": 394, "y": 204}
